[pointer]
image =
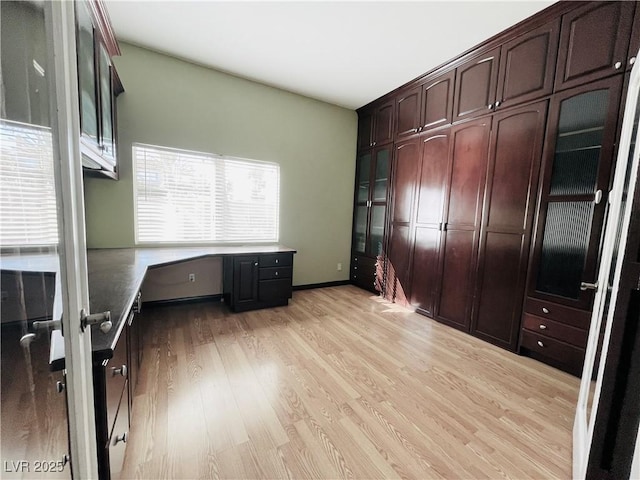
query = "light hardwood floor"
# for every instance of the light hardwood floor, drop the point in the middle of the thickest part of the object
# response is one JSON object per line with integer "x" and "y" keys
{"x": 340, "y": 384}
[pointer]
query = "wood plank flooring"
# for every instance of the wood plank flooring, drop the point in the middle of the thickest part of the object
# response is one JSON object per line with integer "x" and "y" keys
{"x": 340, "y": 384}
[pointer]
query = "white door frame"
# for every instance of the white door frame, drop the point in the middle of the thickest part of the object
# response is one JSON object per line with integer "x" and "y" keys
{"x": 65, "y": 115}
{"x": 584, "y": 420}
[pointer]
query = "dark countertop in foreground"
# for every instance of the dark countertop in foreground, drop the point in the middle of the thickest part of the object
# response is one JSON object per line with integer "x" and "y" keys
{"x": 115, "y": 277}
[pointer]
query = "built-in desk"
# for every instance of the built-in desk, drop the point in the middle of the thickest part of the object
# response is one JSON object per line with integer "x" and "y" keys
{"x": 254, "y": 277}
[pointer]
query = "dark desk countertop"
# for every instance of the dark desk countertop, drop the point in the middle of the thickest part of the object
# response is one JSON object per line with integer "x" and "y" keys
{"x": 115, "y": 277}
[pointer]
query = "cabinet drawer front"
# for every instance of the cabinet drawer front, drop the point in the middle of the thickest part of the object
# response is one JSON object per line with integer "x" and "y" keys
{"x": 116, "y": 377}
{"x": 561, "y": 313}
{"x": 269, "y": 290}
{"x": 362, "y": 274}
{"x": 556, "y": 330}
{"x": 272, "y": 273}
{"x": 362, "y": 261}
{"x": 560, "y": 352}
{"x": 276, "y": 260}
{"x": 118, "y": 438}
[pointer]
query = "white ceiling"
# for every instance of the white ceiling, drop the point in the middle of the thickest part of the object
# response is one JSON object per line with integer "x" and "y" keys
{"x": 345, "y": 53}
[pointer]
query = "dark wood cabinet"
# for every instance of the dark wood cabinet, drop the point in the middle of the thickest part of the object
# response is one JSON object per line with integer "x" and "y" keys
{"x": 258, "y": 281}
{"x": 475, "y": 89}
{"x": 98, "y": 85}
{"x": 427, "y": 106}
{"x": 408, "y": 112}
{"x": 512, "y": 183}
{"x": 406, "y": 163}
{"x": 375, "y": 125}
{"x": 370, "y": 216}
{"x": 579, "y": 151}
{"x": 527, "y": 65}
{"x": 467, "y": 176}
{"x": 430, "y": 198}
{"x": 593, "y": 42}
{"x": 437, "y": 100}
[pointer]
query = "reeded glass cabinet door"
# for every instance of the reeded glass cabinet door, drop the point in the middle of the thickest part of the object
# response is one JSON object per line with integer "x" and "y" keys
{"x": 86, "y": 73}
{"x": 583, "y": 125}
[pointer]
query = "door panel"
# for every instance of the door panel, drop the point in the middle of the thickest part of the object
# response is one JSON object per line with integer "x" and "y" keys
{"x": 456, "y": 282}
{"x": 408, "y": 113}
{"x": 437, "y": 101}
{"x": 383, "y": 124}
{"x": 405, "y": 173}
{"x": 398, "y": 285}
{"x": 500, "y": 303}
{"x": 245, "y": 277}
{"x": 527, "y": 65}
{"x": 516, "y": 150}
{"x": 593, "y": 41}
{"x": 433, "y": 178}
{"x": 365, "y": 130}
{"x": 468, "y": 170}
{"x": 424, "y": 280}
{"x": 475, "y": 90}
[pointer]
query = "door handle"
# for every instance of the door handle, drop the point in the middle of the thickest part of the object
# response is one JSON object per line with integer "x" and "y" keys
{"x": 103, "y": 318}
{"x": 588, "y": 286}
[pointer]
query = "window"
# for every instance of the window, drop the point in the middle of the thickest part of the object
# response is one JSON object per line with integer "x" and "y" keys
{"x": 192, "y": 197}
{"x": 27, "y": 186}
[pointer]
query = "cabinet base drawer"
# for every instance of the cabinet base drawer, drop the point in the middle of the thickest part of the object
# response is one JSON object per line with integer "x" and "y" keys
{"x": 556, "y": 330}
{"x": 276, "y": 260}
{"x": 561, "y": 313}
{"x": 553, "y": 352}
{"x": 270, "y": 290}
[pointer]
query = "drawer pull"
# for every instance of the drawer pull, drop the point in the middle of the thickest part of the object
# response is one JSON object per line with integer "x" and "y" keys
{"x": 545, "y": 310}
{"x": 276, "y": 274}
{"x": 540, "y": 344}
{"x": 119, "y": 371}
{"x": 543, "y": 326}
{"x": 277, "y": 261}
{"x": 121, "y": 438}
{"x": 355, "y": 268}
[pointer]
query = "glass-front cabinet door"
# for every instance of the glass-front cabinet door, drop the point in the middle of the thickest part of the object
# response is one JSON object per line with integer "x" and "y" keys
{"x": 47, "y": 428}
{"x": 372, "y": 174}
{"x": 581, "y": 136}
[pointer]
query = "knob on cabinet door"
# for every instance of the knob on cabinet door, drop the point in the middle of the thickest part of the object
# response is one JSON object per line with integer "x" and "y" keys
{"x": 121, "y": 438}
{"x": 617, "y": 65}
{"x": 540, "y": 344}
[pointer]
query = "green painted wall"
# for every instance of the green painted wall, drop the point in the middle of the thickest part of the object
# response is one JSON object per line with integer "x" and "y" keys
{"x": 173, "y": 103}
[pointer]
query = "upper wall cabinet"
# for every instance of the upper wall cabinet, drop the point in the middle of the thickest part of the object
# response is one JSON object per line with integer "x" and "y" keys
{"x": 98, "y": 85}
{"x": 527, "y": 65}
{"x": 427, "y": 106}
{"x": 475, "y": 90}
{"x": 375, "y": 126}
{"x": 593, "y": 42}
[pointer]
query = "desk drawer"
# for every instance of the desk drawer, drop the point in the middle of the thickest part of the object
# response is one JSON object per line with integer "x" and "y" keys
{"x": 270, "y": 290}
{"x": 273, "y": 273}
{"x": 556, "y": 330}
{"x": 116, "y": 373}
{"x": 276, "y": 260}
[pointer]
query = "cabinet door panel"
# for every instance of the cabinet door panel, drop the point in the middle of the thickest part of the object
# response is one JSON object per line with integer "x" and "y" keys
{"x": 437, "y": 101}
{"x": 456, "y": 284}
{"x": 527, "y": 65}
{"x": 593, "y": 40}
{"x": 500, "y": 303}
{"x": 365, "y": 130}
{"x": 424, "y": 281}
{"x": 397, "y": 288}
{"x": 517, "y": 139}
{"x": 468, "y": 169}
{"x": 408, "y": 113}
{"x": 245, "y": 279}
{"x": 475, "y": 90}
{"x": 404, "y": 179}
{"x": 383, "y": 124}
{"x": 516, "y": 150}
{"x": 634, "y": 43}
{"x": 433, "y": 177}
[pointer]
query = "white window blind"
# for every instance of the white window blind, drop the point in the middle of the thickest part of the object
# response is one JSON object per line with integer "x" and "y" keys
{"x": 27, "y": 186}
{"x": 191, "y": 197}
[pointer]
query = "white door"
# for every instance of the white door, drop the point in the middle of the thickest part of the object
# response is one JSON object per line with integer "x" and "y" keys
{"x": 615, "y": 237}
{"x": 42, "y": 241}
